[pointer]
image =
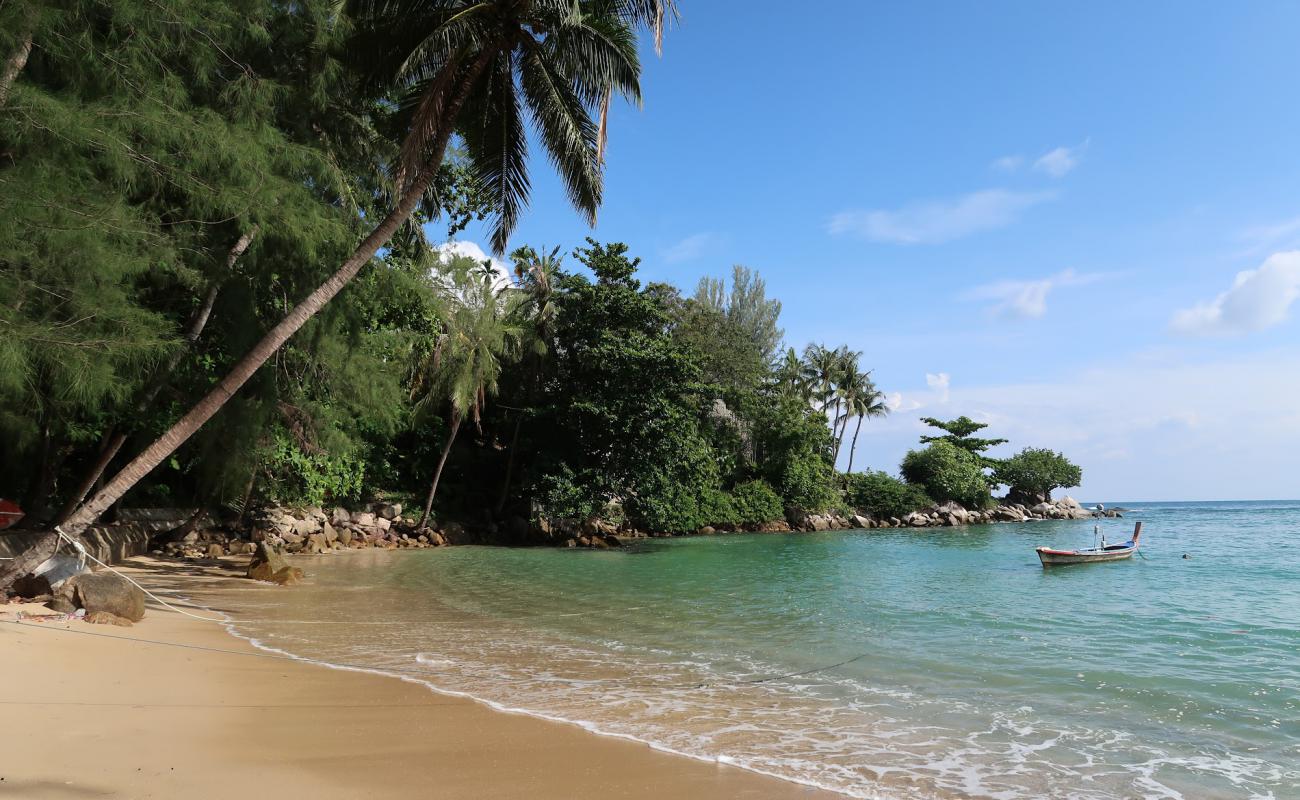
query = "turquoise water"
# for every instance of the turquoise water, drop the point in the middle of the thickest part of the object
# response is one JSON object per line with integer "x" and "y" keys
{"x": 972, "y": 671}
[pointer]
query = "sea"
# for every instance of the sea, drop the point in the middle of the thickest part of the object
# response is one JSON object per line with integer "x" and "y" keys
{"x": 892, "y": 663}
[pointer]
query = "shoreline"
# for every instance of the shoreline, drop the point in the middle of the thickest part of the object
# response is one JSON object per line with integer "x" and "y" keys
{"x": 156, "y": 720}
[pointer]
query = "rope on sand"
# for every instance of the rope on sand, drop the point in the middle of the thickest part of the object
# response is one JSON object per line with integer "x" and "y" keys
{"x": 83, "y": 554}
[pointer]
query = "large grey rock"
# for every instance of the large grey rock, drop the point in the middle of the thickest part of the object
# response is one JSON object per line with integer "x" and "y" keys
{"x": 340, "y": 516}
{"x": 106, "y": 591}
{"x": 365, "y": 519}
{"x": 389, "y": 511}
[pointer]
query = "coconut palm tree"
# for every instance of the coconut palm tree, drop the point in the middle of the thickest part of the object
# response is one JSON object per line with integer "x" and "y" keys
{"x": 481, "y": 332}
{"x": 864, "y": 400}
{"x": 535, "y": 277}
{"x": 791, "y": 375}
{"x": 463, "y": 67}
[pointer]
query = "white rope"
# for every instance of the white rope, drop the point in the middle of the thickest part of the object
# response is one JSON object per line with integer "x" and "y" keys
{"x": 83, "y": 555}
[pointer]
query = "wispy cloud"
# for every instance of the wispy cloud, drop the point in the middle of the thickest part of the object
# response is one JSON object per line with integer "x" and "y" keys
{"x": 1265, "y": 238}
{"x": 1258, "y": 299}
{"x": 1060, "y": 161}
{"x": 688, "y": 249}
{"x": 1008, "y": 163}
{"x": 1028, "y": 299}
{"x": 938, "y": 221}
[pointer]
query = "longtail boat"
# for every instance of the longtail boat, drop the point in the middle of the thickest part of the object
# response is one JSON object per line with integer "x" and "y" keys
{"x": 1107, "y": 552}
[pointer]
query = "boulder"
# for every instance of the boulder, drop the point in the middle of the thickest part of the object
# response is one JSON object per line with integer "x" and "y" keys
{"x": 61, "y": 604}
{"x": 344, "y": 536}
{"x": 1068, "y": 502}
{"x": 365, "y": 519}
{"x": 106, "y": 591}
{"x": 316, "y": 544}
{"x": 708, "y": 529}
{"x": 216, "y": 551}
{"x": 860, "y": 521}
{"x": 340, "y": 516}
{"x": 331, "y": 535}
{"x": 389, "y": 511}
{"x": 268, "y": 564}
{"x": 306, "y": 527}
{"x": 383, "y": 524}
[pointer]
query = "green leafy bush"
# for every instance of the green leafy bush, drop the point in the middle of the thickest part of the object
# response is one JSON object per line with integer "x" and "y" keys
{"x": 808, "y": 484}
{"x": 303, "y": 478}
{"x": 1032, "y": 474}
{"x": 881, "y": 495}
{"x": 948, "y": 473}
{"x": 756, "y": 502}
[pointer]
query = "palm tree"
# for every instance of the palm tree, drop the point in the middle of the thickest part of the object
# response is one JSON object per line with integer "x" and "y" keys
{"x": 791, "y": 375}
{"x": 864, "y": 400}
{"x": 844, "y": 373}
{"x": 467, "y": 67}
{"x": 535, "y": 277}
{"x": 460, "y": 371}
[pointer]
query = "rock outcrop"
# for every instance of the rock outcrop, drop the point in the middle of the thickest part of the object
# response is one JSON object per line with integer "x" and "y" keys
{"x": 105, "y": 592}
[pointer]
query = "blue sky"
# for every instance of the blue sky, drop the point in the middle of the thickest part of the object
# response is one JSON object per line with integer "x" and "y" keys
{"x": 1035, "y": 214}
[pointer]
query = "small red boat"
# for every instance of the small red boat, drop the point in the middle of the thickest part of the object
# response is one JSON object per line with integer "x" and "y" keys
{"x": 1107, "y": 552}
{"x": 10, "y": 513}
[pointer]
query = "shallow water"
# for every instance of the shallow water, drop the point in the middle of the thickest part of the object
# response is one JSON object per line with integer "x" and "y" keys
{"x": 893, "y": 664}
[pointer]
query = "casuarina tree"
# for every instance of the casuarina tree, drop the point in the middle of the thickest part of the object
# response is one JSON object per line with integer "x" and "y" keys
{"x": 460, "y": 68}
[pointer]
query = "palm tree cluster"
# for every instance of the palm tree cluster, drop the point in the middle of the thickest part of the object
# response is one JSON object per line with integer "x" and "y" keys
{"x": 832, "y": 381}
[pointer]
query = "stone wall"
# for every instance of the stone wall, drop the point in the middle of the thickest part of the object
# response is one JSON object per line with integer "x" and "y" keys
{"x": 108, "y": 543}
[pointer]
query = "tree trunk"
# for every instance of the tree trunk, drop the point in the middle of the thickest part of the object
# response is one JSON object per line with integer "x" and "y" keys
{"x": 13, "y": 65}
{"x": 437, "y": 472}
{"x": 853, "y": 448}
{"x": 510, "y": 467}
{"x": 186, "y": 426}
{"x": 161, "y": 377}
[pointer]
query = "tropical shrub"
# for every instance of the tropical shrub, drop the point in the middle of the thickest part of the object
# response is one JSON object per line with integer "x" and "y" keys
{"x": 1032, "y": 474}
{"x": 756, "y": 502}
{"x": 808, "y": 484}
{"x": 881, "y": 495}
{"x": 948, "y": 473}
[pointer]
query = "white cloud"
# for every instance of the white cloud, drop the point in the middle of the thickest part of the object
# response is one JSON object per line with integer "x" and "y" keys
{"x": 687, "y": 249}
{"x": 1060, "y": 161}
{"x": 939, "y": 221}
{"x": 1027, "y": 299}
{"x": 1259, "y": 298}
{"x": 472, "y": 250}
{"x": 941, "y": 383}
{"x": 1008, "y": 163}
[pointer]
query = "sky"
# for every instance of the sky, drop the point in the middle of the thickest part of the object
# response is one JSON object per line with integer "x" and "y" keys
{"x": 1079, "y": 223}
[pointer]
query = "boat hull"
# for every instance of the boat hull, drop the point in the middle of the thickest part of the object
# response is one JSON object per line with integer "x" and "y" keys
{"x": 1051, "y": 558}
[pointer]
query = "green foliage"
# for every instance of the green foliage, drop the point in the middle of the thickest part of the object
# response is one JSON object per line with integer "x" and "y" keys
{"x": 958, "y": 433}
{"x": 948, "y": 472}
{"x": 881, "y": 495}
{"x": 808, "y": 484}
{"x": 303, "y": 478}
{"x": 756, "y": 502}
{"x": 1033, "y": 473}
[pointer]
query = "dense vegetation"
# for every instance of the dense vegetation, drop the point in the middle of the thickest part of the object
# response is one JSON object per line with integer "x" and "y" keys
{"x": 180, "y": 183}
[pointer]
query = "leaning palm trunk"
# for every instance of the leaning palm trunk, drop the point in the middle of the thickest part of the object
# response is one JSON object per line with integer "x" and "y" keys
{"x": 115, "y": 439}
{"x": 853, "y": 448}
{"x": 13, "y": 65}
{"x": 184, "y": 428}
{"x": 437, "y": 472}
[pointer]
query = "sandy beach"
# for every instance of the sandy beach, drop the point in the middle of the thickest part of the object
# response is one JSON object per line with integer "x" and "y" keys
{"x": 98, "y": 711}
